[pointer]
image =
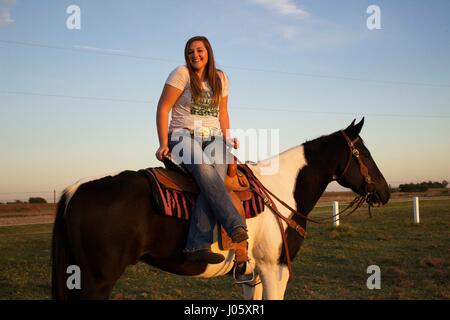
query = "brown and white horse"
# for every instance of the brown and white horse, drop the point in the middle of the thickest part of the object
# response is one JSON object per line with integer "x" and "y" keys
{"x": 102, "y": 226}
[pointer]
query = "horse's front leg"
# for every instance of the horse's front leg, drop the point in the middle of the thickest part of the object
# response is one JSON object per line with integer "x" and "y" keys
{"x": 274, "y": 280}
{"x": 254, "y": 290}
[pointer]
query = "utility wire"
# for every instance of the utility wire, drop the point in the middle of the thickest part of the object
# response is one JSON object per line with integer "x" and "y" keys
{"x": 126, "y": 55}
{"x": 27, "y": 93}
{"x": 282, "y": 109}
{"x": 84, "y": 50}
{"x": 344, "y": 77}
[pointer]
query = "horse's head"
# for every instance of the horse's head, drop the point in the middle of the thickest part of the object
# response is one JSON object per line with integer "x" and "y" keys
{"x": 357, "y": 169}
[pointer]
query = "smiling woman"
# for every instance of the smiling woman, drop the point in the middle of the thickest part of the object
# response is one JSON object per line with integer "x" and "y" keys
{"x": 197, "y": 95}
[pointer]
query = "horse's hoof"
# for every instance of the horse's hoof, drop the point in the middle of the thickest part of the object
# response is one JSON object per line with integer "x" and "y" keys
{"x": 239, "y": 234}
{"x": 205, "y": 255}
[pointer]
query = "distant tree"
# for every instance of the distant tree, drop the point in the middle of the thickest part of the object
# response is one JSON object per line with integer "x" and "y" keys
{"x": 436, "y": 185}
{"x": 37, "y": 200}
{"x": 392, "y": 190}
{"x": 423, "y": 186}
{"x": 412, "y": 187}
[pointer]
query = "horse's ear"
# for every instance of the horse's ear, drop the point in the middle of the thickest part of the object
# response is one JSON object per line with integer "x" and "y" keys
{"x": 351, "y": 125}
{"x": 358, "y": 127}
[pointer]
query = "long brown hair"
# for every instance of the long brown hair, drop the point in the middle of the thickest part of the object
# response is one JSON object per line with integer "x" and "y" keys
{"x": 210, "y": 72}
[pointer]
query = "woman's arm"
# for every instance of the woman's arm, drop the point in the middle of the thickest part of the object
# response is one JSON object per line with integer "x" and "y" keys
{"x": 223, "y": 117}
{"x": 224, "y": 120}
{"x": 168, "y": 98}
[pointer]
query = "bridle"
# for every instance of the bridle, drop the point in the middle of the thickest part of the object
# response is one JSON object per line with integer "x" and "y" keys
{"x": 354, "y": 152}
{"x": 369, "y": 186}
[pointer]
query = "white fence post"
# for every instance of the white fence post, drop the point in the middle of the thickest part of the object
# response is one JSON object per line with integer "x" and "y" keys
{"x": 335, "y": 213}
{"x": 416, "y": 209}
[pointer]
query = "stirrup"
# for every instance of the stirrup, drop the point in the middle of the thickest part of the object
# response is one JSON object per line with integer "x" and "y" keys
{"x": 243, "y": 278}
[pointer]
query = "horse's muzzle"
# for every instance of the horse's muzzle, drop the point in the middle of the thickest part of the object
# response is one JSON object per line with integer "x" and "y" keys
{"x": 374, "y": 200}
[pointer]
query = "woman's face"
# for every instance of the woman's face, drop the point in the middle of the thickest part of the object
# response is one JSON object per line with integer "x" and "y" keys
{"x": 198, "y": 55}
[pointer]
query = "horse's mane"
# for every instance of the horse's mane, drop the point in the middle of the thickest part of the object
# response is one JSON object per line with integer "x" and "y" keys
{"x": 314, "y": 145}
{"x": 317, "y": 142}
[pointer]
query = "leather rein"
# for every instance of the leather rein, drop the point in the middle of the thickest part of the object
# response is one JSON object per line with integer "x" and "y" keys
{"x": 359, "y": 200}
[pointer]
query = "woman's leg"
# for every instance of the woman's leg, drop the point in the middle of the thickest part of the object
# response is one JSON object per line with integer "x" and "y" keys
{"x": 216, "y": 194}
{"x": 210, "y": 176}
{"x": 187, "y": 150}
{"x": 213, "y": 202}
{"x": 202, "y": 223}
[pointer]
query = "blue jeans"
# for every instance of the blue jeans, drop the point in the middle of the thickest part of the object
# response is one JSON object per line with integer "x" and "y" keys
{"x": 213, "y": 203}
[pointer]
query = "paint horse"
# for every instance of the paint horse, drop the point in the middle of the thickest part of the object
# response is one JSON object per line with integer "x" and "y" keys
{"x": 104, "y": 225}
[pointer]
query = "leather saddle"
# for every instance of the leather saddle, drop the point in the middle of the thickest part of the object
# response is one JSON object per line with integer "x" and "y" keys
{"x": 175, "y": 177}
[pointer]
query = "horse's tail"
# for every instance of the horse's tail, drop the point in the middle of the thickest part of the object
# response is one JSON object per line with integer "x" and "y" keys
{"x": 61, "y": 253}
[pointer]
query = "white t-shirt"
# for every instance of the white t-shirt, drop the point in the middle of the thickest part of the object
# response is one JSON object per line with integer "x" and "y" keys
{"x": 186, "y": 113}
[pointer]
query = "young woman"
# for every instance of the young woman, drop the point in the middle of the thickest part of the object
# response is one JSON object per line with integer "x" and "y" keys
{"x": 197, "y": 95}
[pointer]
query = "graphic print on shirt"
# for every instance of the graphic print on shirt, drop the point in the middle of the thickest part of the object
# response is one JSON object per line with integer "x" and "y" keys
{"x": 204, "y": 106}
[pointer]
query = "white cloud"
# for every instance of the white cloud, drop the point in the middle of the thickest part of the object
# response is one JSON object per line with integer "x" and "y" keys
{"x": 89, "y": 48}
{"x": 283, "y": 7}
{"x": 5, "y": 17}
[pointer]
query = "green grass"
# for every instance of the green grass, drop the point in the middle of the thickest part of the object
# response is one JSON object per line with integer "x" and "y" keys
{"x": 414, "y": 261}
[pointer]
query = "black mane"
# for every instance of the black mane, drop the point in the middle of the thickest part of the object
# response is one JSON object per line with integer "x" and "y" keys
{"x": 313, "y": 148}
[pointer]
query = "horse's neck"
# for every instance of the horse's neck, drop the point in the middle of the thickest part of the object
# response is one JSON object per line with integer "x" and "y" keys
{"x": 279, "y": 174}
{"x": 314, "y": 178}
{"x": 295, "y": 182}
{"x": 311, "y": 184}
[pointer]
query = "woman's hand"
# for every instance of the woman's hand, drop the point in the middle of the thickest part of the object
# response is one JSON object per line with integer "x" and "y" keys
{"x": 161, "y": 152}
{"x": 168, "y": 98}
{"x": 233, "y": 142}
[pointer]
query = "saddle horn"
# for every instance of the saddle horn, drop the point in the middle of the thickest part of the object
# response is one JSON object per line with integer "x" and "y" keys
{"x": 232, "y": 168}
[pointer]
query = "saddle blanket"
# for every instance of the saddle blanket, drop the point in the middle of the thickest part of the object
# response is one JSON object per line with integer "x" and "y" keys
{"x": 180, "y": 204}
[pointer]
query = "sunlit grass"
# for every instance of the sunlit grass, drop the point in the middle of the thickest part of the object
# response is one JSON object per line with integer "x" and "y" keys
{"x": 332, "y": 264}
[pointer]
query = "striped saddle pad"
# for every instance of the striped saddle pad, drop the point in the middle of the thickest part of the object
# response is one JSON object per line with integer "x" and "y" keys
{"x": 180, "y": 204}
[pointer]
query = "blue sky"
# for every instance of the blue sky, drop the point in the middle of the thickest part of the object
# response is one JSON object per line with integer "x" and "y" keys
{"x": 306, "y": 68}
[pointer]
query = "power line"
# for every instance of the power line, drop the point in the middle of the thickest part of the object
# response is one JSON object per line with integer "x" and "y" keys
{"x": 405, "y": 115}
{"x": 337, "y": 77}
{"x": 85, "y": 50}
{"x": 394, "y": 115}
{"x": 126, "y": 55}
{"x": 28, "y": 93}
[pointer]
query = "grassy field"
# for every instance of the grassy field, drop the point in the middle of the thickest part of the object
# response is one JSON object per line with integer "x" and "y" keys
{"x": 414, "y": 261}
